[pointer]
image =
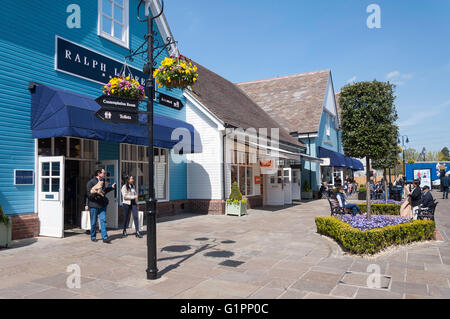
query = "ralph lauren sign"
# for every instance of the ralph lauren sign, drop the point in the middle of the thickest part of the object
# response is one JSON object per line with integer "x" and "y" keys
{"x": 82, "y": 62}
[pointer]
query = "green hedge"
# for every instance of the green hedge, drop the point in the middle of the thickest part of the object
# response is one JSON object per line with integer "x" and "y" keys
{"x": 382, "y": 209}
{"x": 375, "y": 240}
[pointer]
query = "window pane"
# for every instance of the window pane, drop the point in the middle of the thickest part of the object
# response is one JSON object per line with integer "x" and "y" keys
{"x": 133, "y": 152}
{"x": 160, "y": 181}
{"x": 128, "y": 169}
{"x": 107, "y": 7}
{"x": 242, "y": 180}
{"x": 118, "y": 14}
{"x": 45, "y": 147}
{"x": 56, "y": 167}
{"x": 45, "y": 185}
{"x": 75, "y": 148}
{"x": 143, "y": 190}
{"x": 233, "y": 174}
{"x": 249, "y": 181}
{"x": 55, "y": 185}
{"x": 89, "y": 149}
{"x": 125, "y": 152}
{"x": 118, "y": 31}
{"x": 120, "y": 2}
{"x": 163, "y": 156}
{"x": 45, "y": 169}
{"x": 60, "y": 146}
{"x": 106, "y": 25}
{"x": 156, "y": 154}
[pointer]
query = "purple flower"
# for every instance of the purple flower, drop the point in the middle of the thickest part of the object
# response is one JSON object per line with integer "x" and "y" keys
{"x": 363, "y": 224}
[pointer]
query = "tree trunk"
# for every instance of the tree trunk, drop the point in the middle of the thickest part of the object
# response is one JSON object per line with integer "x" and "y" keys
{"x": 385, "y": 187}
{"x": 369, "y": 208}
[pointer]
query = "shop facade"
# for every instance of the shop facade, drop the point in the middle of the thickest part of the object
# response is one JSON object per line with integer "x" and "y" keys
{"x": 305, "y": 104}
{"x": 52, "y": 142}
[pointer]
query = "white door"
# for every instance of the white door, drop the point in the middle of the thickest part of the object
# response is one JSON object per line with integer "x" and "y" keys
{"x": 296, "y": 184}
{"x": 112, "y": 211}
{"x": 51, "y": 196}
{"x": 287, "y": 185}
{"x": 274, "y": 189}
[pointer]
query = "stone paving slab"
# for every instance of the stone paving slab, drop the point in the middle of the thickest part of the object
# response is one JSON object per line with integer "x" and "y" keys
{"x": 279, "y": 255}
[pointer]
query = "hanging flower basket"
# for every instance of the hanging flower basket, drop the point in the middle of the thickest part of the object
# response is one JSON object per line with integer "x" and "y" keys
{"x": 176, "y": 72}
{"x": 124, "y": 88}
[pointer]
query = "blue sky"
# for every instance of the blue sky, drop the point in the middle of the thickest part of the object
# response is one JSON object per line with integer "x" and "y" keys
{"x": 245, "y": 40}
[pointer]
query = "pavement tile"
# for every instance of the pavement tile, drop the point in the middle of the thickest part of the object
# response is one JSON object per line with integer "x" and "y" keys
{"x": 344, "y": 291}
{"x": 317, "y": 282}
{"x": 215, "y": 288}
{"x": 426, "y": 277}
{"x": 313, "y": 295}
{"x": 60, "y": 280}
{"x": 365, "y": 293}
{"x": 20, "y": 291}
{"x": 439, "y": 292}
{"x": 409, "y": 288}
{"x": 53, "y": 293}
{"x": 293, "y": 294}
{"x": 267, "y": 293}
{"x": 423, "y": 258}
{"x": 438, "y": 268}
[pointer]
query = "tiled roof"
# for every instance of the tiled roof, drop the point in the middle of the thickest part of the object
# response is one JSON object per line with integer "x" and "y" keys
{"x": 231, "y": 105}
{"x": 295, "y": 101}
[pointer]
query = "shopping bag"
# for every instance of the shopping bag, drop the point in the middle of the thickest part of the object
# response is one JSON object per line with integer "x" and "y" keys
{"x": 86, "y": 220}
{"x": 140, "y": 218}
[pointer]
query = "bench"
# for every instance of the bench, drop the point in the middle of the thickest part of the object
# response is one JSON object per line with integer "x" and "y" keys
{"x": 427, "y": 213}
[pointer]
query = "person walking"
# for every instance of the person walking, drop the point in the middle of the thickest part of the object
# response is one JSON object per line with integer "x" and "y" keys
{"x": 129, "y": 201}
{"x": 406, "y": 209}
{"x": 445, "y": 182}
{"x": 416, "y": 198}
{"x": 97, "y": 204}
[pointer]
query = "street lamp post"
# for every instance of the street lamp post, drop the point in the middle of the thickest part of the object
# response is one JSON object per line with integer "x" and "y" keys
{"x": 151, "y": 202}
{"x": 403, "y": 142}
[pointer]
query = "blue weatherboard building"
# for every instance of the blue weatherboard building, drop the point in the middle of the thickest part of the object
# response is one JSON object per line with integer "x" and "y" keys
{"x": 305, "y": 104}
{"x": 55, "y": 57}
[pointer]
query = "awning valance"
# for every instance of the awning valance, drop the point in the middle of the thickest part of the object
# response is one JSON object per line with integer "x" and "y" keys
{"x": 339, "y": 160}
{"x": 55, "y": 112}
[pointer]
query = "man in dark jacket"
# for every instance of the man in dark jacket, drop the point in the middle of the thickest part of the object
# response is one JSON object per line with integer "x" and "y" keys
{"x": 445, "y": 183}
{"x": 415, "y": 198}
{"x": 427, "y": 198}
{"x": 97, "y": 205}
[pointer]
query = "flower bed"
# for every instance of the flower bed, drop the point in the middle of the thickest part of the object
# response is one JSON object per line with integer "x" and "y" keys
{"x": 382, "y": 209}
{"x": 374, "y": 240}
{"x": 362, "y": 223}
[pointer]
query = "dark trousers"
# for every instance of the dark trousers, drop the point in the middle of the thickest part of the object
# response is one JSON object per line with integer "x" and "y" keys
{"x": 126, "y": 214}
{"x": 445, "y": 193}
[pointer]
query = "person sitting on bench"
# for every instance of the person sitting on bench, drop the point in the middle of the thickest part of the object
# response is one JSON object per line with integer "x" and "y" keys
{"x": 427, "y": 199}
{"x": 341, "y": 199}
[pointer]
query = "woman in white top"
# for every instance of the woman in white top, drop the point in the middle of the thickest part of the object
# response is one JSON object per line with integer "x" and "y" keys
{"x": 129, "y": 201}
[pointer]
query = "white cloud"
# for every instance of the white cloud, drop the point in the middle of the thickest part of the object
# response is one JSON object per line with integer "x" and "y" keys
{"x": 351, "y": 80}
{"x": 396, "y": 77}
{"x": 420, "y": 117}
{"x": 392, "y": 75}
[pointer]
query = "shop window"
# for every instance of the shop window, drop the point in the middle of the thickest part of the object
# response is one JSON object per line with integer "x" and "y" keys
{"x": 89, "y": 149}
{"x": 45, "y": 147}
{"x": 243, "y": 173}
{"x": 134, "y": 162}
{"x": 113, "y": 21}
{"x": 75, "y": 148}
{"x": 60, "y": 146}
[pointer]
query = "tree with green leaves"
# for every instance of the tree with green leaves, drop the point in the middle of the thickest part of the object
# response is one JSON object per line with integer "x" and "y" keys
{"x": 387, "y": 162}
{"x": 368, "y": 123}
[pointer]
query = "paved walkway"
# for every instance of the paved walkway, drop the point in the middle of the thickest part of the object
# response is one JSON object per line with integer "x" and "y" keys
{"x": 268, "y": 254}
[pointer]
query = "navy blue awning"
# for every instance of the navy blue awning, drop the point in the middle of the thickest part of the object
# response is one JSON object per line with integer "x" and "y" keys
{"x": 357, "y": 165}
{"x": 336, "y": 159}
{"x": 55, "y": 112}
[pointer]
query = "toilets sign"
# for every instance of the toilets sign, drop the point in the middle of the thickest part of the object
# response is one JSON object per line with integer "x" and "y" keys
{"x": 79, "y": 61}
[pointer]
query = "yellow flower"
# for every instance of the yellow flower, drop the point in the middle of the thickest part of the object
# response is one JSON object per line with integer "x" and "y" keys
{"x": 127, "y": 78}
{"x": 112, "y": 91}
{"x": 195, "y": 79}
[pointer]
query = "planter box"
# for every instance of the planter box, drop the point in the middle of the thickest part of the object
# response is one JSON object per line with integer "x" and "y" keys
{"x": 236, "y": 209}
{"x": 307, "y": 195}
{"x": 362, "y": 196}
{"x": 5, "y": 234}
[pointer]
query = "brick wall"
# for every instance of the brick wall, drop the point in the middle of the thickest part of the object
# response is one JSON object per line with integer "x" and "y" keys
{"x": 24, "y": 226}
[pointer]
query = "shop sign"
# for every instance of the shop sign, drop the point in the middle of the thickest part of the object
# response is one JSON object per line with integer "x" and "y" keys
{"x": 257, "y": 180}
{"x": 425, "y": 177}
{"x": 117, "y": 116}
{"x": 169, "y": 101}
{"x": 326, "y": 162}
{"x": 79, "y": 61}
{"x": 118, "y": 103}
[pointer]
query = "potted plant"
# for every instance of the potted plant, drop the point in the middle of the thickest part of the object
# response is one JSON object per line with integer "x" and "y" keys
{"x": 362, "y": 194}
{"x": 176, "y": 72}
{"x": 5, "y": 229}
{"x": 124, "y": 88}
{"x": 307, "y": 191}
{"x": 236, "y": 206}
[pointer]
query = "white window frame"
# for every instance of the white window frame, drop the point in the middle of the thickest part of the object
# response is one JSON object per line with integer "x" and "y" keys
{"x": 126, "y": 24}
{"x": 137, "y": 162}
{"x": 67, "y": 157}
{"x": 245, "y": 166}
